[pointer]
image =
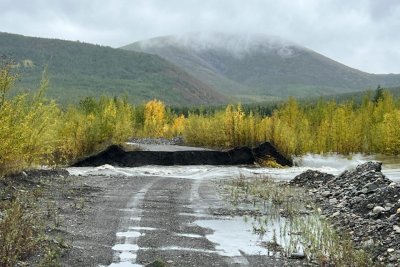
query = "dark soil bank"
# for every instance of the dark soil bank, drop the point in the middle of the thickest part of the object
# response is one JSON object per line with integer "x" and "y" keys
{"x": 117, "y": 156}
{"x": 362, "y": 202}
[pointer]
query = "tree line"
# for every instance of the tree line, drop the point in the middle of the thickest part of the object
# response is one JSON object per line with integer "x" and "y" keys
{"x": 37, "y": 131}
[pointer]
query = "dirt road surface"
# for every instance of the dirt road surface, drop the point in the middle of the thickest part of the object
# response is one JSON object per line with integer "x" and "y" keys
{"x": 133, "y": 221}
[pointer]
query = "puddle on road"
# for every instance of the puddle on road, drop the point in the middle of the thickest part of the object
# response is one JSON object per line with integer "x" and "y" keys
{"x": 129, "y": 234}
{"x": 125, "y": 247}
{"x": 236, "y": 236}
{"x": 127, "y": 256}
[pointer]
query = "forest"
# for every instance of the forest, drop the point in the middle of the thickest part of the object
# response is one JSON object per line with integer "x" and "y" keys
{"x": 37, "y": 131}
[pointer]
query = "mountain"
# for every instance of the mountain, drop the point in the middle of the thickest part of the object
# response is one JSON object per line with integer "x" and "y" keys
{"x": 78, "y": 69}
{"x": 259, "y": 67}
{"x": 359, "y": 96}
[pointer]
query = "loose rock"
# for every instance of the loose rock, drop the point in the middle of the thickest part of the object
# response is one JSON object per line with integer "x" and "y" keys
{"x": 363, "y": 202}
{"x": 378, "y": 210}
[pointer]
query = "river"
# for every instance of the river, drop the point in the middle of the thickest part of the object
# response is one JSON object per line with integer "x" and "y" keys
{"x": 333, "y": 164}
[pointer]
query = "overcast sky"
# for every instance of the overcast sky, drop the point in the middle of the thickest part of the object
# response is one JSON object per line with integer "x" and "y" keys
{"x": 363, "y": 34}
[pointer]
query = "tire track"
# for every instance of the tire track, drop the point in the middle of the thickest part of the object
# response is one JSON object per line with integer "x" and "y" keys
{"x": 126, "y": 249}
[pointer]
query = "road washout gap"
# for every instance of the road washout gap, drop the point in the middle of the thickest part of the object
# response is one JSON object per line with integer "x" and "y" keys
{"x": 117, "y": 156}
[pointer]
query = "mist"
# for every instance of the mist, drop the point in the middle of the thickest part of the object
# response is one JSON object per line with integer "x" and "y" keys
{"x": 360, "y": 34}
{"x": 238, "y": 45}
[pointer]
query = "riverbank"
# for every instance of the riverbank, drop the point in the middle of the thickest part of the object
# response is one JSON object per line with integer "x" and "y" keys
{"x": 170, "y": 155}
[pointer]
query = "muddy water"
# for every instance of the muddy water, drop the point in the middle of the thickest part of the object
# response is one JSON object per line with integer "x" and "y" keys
{"x": 233, "y": 237}
{"x": 334, "y": 164}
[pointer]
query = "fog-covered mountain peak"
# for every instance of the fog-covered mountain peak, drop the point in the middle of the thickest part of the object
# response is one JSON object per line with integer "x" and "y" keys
{"x": 236, "y": 44}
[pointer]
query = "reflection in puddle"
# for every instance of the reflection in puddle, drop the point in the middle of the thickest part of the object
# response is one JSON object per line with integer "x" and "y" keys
{"x": 127, "y": 256}
{"x": 236, "y": 236}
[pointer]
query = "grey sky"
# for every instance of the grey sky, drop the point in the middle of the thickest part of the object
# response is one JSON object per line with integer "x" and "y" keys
{"x": 363, "y": 34}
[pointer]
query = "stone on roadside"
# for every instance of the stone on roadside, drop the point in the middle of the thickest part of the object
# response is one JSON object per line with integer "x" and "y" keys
{"x": 378, "y": 210}
{"x": 335, "y": 214}
{"x": 297, "y": 255}
{"x": 333, "y": 201}
{"x": 326, "y": 193}
{"x": 368, "y": 243}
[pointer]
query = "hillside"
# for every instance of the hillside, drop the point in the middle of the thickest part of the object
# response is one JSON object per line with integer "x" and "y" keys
{"x": 78, "y": 69}
{"x": 258, "y": 67}
{"x": 358, "y": 96}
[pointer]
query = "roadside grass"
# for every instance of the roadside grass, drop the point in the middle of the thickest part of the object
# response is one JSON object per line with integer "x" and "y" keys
{"x": 302, "y": 227}
{"x": 30, "y": 220}
{"x": 20, "y": 231}
{"x": 23, "y": 230}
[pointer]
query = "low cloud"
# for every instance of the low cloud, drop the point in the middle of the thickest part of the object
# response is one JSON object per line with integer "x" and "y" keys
{"x": 361, "y": 34}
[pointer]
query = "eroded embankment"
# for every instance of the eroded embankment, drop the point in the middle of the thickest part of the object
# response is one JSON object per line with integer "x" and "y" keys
{"x": 117, "y": 156}
{"x": 362, "y": 202}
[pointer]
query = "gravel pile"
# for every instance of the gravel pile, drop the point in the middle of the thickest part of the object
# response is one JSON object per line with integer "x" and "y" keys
{"x": 158, "y": 141}
{"x": 362, "y": 202}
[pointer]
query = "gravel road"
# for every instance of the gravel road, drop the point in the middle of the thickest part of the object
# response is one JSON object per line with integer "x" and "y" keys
{"x": 133, "y": 221}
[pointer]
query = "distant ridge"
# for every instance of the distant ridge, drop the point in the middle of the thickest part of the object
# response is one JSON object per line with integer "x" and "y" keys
{"x": 260, "y": 67}
{"x": 78, "y": 69}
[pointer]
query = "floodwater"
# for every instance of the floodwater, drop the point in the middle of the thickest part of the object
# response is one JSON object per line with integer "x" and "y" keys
{"x": 333, "y": 164}
{"x": 232, "y": 236}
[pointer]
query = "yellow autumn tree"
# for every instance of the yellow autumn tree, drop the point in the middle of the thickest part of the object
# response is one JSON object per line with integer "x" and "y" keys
{"x": 177, "y": 127}
{"x": 154, "y": 118}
